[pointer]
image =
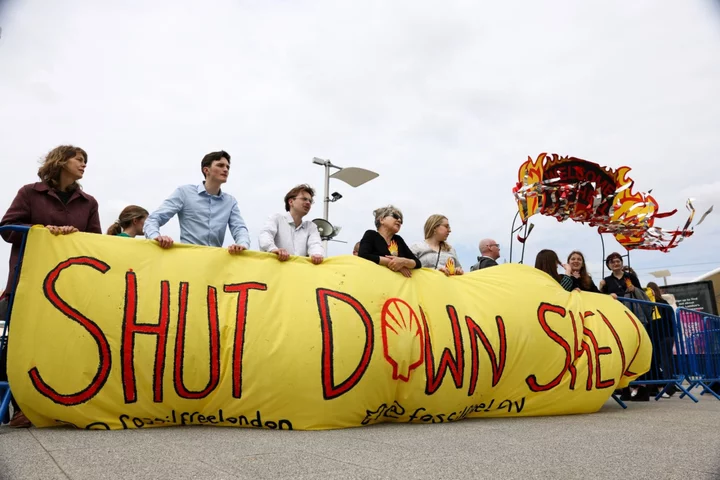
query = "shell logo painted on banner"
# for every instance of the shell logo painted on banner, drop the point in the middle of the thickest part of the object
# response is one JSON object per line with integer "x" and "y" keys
{"x": 112, "y": 333}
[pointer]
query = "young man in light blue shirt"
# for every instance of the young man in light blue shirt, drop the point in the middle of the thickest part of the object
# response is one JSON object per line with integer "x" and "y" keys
{"x": 204, "y": 210}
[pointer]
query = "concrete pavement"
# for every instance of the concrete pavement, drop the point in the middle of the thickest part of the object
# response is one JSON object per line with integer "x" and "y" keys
{"x": 672, "y": 438}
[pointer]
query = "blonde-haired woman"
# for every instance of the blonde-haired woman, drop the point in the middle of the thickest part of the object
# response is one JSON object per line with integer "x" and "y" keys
{"x": 435, "y": 252}
{"x": 384, "y": 246}
{"x": 56, "y": 201}
{"x": 130, "y": 222}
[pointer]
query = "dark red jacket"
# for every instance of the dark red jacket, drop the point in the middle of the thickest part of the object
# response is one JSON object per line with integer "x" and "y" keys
{"x": 38, "y": 204}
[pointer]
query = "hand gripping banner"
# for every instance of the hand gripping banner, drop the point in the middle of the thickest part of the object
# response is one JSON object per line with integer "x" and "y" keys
{"x": 112, "y": 333}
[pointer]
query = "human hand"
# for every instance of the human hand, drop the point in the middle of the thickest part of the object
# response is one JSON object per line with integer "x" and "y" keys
{"x": 458, "y": 271}
{"x": 445, "y": 271}
{"x": 316, "y": 259}
{"x": 281, "y": 253}
{"x": 614, "y": 296}
{"x": 165, "y": 242}
{"x": 630, "y": 288}
{"x": 64, "y": 230}
{"x": 235, "y": 248}
{"x": 406, "y": 272}
{"x": 395, "y": 263}
{"x": 568, "y": 269}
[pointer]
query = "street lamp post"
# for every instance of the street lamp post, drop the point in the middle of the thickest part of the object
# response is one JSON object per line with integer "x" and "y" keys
{"x": 661, "y": 274}
{"x": 353, "y": 176}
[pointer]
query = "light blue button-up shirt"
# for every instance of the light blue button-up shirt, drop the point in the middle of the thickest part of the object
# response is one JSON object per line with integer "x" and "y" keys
{"x": 203, "y": 217}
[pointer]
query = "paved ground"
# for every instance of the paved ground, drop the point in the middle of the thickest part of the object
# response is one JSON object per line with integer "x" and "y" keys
{"x": 672, "y": 438}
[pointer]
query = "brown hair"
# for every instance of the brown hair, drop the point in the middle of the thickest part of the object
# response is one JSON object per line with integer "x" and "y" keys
{"x": 432, "y": 223}
{"x": 211, "y": 157}
{"x": 297, "y": 191}
{"x": 611, "y": 257}
{"x": 656, "y": 290}
{"x": 49, "y": 171}
{"x": 129, "y": 213}
{"x": 585, "y": 280}
{"x": 548, "y": 261}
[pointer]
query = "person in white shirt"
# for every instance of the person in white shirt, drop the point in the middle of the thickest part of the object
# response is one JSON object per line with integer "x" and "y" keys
{"x": 286, "y": 234}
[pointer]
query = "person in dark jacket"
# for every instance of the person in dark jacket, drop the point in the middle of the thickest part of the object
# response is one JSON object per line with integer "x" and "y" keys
{"x": 56, "y": 201}
{"x": 662, "y": 335}
{"x": 489, "y": 253}
{"x": 621, "y": 281}
{"x": 384, "y": 246}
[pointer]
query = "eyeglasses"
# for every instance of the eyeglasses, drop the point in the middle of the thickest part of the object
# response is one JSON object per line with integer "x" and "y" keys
{"x": 396, "y": 217}
{"x": 494, "y": 245}
{"x": 305, "y": 199}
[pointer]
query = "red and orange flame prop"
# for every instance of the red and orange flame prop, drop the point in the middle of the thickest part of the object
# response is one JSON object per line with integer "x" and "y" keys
{"x": 575, "y": 189}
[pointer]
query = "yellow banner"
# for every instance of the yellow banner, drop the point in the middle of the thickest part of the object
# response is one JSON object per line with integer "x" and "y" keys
{"x": 109, "y": 332}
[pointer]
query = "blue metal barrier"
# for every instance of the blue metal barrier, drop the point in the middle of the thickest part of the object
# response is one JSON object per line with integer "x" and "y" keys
{"x": 5, "y": 394}
{"x": 701, "y": 346}
{"x": 669, "y": 364}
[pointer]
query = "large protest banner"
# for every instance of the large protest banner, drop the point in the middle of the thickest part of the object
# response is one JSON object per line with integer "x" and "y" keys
{"x": 109, "y": 332}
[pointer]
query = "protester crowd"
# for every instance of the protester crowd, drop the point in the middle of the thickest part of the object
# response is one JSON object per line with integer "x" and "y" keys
{"x": 205, "y": 212}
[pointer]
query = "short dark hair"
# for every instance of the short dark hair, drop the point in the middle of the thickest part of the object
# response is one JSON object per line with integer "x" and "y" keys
{"x": 211, "y": 157}
{"x": 297, "y": 191}
{"x": 611, "y": 257}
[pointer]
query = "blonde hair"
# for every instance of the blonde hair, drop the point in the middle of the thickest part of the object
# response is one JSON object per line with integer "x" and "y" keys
{"x": 431, "y": 224}
{"x": 49, "y": 171}
{"x": 129, "y": 213}
{"x": 383, "y": 212}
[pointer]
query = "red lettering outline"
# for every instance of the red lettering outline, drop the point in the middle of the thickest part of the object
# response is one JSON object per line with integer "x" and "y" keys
{"x": 213, "y": 333}
{"x": 456, "y": 363}
{"x": 240, "y": 318}
{"x": 497, "y": 364}
{"x": 104, "y": 355}
{"x": 132, "y": 328}
{"x": 531, "y": 380}
{"x": 330, "y": 390}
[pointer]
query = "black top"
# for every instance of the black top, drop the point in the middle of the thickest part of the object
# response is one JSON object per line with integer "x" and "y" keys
{"x": 373, "y": 246}
{"x": 483, "y": 262}
{"x": 577, "y": 283}
{"x": 666, "y": 326}
{"x": 618, "y": 286}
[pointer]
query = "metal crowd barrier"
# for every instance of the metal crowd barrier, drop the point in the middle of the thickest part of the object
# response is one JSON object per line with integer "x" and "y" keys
{"x": 686, "y": 349}
{"x": 5, "y": 393}
{"x": 701, "y": 346}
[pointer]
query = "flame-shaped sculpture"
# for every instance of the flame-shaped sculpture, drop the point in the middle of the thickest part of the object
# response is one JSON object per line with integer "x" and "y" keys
{"x": 582, "y": 191}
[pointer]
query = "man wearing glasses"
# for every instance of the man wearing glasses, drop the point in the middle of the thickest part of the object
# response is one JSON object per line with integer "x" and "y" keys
{"x": 489, "y": 253}
{"x": 286, "y": 234}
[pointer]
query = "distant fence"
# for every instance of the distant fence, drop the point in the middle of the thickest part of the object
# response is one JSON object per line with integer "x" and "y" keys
{"x": 686, "y": 348}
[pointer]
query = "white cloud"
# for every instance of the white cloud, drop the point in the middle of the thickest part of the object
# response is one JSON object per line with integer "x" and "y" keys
{"x": 444, "y": 101}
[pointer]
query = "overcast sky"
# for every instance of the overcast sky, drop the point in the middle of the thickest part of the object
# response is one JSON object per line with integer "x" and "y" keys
{"x": 444, "y": 100}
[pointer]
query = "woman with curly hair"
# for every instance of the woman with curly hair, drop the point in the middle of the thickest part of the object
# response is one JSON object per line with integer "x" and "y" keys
{"x": 56, "y": 201}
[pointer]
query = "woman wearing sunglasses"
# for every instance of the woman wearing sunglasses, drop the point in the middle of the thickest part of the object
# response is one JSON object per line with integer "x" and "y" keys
{"x": 384, "y": 246}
